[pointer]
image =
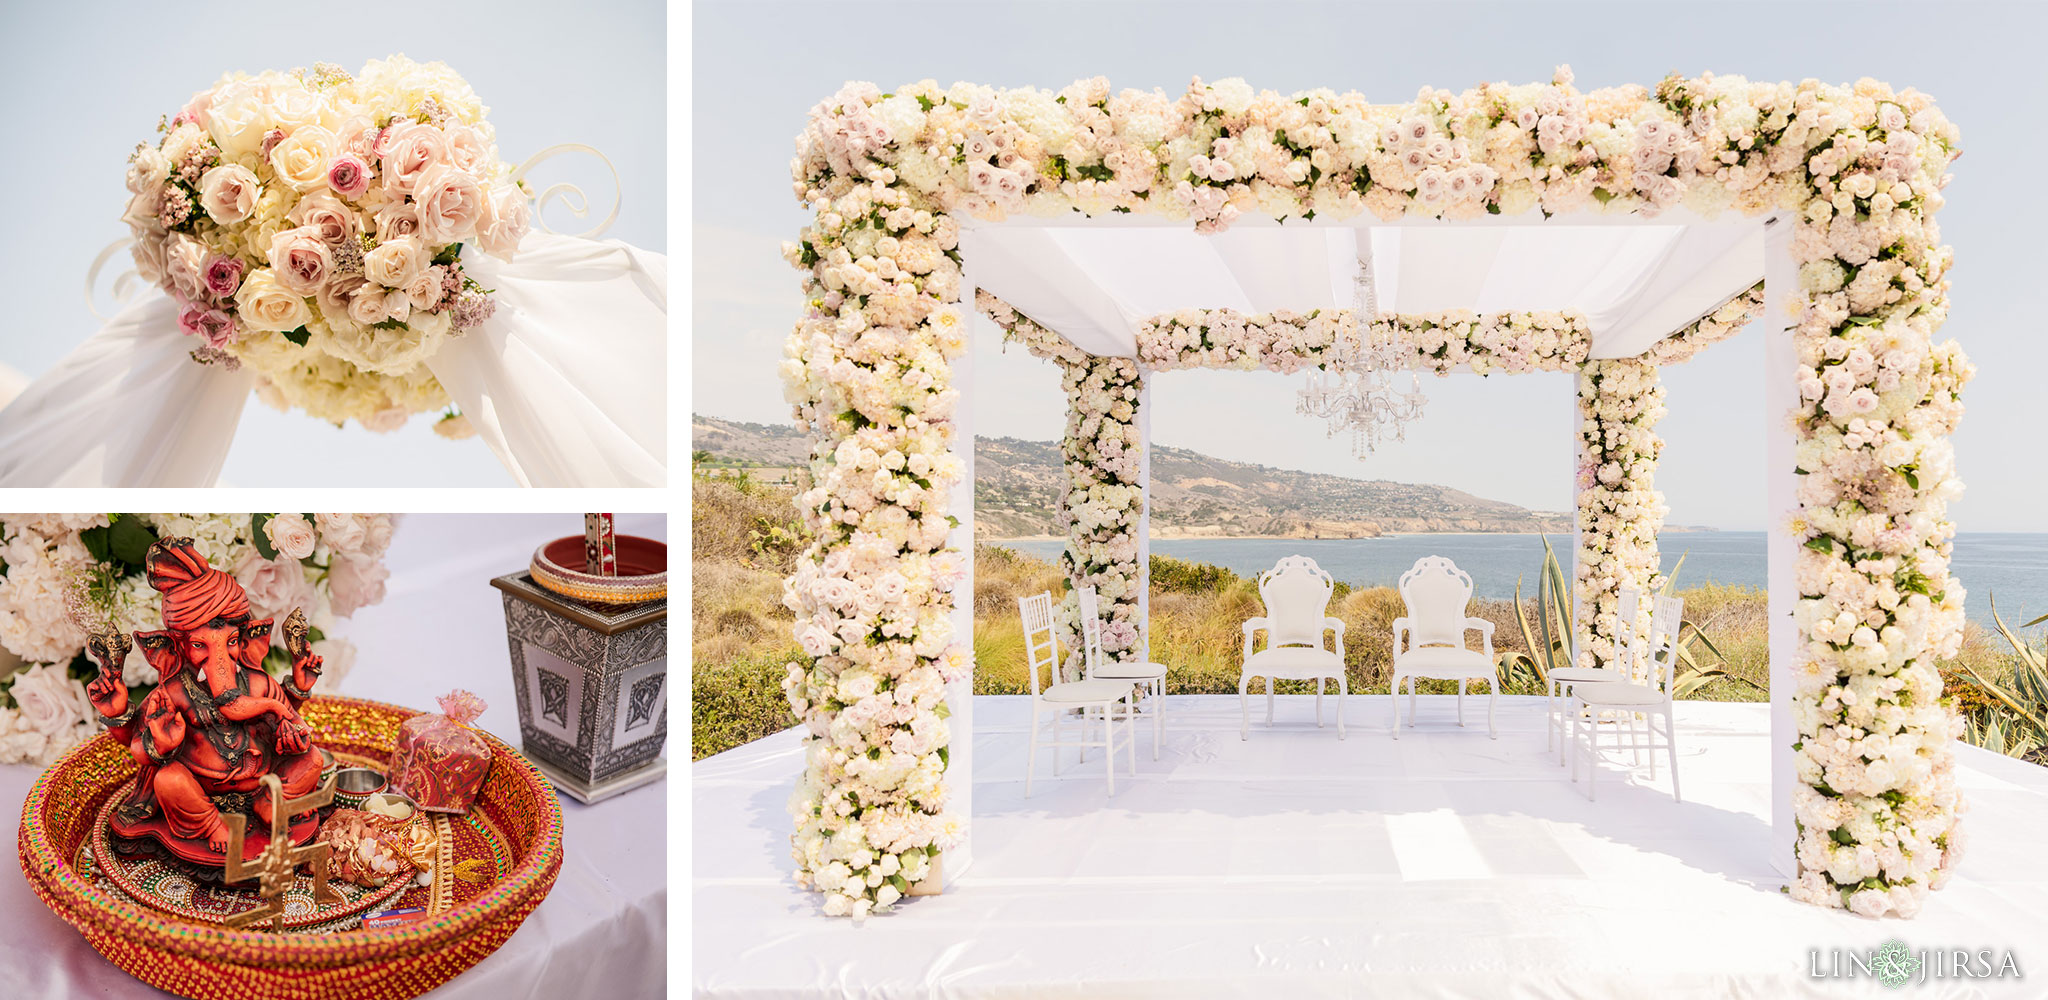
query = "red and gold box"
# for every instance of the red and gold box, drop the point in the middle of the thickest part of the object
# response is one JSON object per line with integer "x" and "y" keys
{"x": 441, "y": 761}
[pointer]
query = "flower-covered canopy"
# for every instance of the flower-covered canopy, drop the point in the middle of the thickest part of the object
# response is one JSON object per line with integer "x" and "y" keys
{"x": 1843, "y": 182}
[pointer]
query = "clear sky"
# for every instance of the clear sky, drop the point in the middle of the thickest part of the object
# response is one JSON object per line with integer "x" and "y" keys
{"x": 87, "y": 81}
{"x": 759, "y": 67}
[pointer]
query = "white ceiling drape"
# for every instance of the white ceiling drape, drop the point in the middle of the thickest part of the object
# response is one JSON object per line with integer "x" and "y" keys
{"x": 1637, "y": 283}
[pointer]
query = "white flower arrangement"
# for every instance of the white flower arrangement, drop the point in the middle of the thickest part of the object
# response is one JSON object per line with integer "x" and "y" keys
{"x": 1104, "y": 498}
{"x": 311, "y": 225}
{"x": 59, "y": 566}
{"x": 1858, "y": 168}
{"x": 1619, "y": 509}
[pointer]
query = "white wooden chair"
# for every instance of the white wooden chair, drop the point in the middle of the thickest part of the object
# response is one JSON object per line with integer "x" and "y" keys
{"x": 1041, "y": 649}
{"x": 1148, "y": 677}
{"x": 1652, "y": 700}
{"x": 1429, "y": 641}
{"x": 1296, "y": 593}
{"x": 1560, "y": 681}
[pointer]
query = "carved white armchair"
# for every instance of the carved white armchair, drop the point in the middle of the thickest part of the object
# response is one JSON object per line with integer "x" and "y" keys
{"x": 1297, "y": 593}
{"x": 1429, "y": 641}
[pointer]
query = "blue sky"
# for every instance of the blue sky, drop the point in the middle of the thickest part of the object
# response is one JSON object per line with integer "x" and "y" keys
{"x": 759, "y": 67}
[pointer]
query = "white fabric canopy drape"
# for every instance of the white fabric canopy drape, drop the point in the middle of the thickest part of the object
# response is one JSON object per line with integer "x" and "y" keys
{"x": 566, "y": 382}
{"x": 1636, "y": 283}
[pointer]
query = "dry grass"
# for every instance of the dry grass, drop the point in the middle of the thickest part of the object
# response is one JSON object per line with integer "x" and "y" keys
{"x": 744, "y": 534}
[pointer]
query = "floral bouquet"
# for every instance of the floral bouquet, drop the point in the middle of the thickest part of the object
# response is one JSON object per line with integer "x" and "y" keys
{"x": 65, "y": 572}
{"x": 312, "y": 226}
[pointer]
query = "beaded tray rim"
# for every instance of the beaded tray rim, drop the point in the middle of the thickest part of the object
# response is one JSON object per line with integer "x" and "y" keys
{"x": 84, "y": 905}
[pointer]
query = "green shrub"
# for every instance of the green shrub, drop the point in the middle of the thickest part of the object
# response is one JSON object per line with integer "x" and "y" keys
{"x": 737, "y": 702}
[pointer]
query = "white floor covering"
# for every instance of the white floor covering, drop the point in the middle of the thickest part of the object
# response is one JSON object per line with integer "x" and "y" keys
{"x": 1295, "y": 864}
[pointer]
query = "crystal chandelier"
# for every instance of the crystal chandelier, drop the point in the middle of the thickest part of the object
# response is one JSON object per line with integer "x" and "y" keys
{"x": 1361, "y": 385}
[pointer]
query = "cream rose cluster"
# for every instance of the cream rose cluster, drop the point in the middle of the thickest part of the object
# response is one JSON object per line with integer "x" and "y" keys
{"x": 312, "y": 225}
{"x": 1620, "y": 510}
{"x": 1857, "y": 170}
{"x": 1104, "y": 498}
{"x": 328, "y": 565}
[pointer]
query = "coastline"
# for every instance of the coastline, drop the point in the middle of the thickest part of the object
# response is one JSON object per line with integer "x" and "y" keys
{"x": 1172, "y": 536}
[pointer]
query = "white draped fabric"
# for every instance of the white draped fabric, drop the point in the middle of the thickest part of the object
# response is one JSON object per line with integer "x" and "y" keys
{"x": 566, "y": 383}
{"x": 1636, "y": 283}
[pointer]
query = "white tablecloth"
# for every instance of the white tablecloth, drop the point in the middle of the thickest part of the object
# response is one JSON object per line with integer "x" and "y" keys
{"x": 601, "y": 932}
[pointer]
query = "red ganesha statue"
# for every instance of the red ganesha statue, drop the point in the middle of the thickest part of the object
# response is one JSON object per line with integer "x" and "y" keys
{"x": 216, "y": 723}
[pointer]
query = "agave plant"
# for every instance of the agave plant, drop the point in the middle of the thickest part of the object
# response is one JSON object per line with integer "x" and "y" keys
{"x": 2024, "y": 730}
{"x": 1549, "y": 639}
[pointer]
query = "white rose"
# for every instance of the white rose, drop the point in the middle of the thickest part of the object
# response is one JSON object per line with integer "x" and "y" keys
{"x": 263, "y": 304}
{"x": 301, "y": 158}
{"x": 291, "y": 535}
{"x": 397, "y": 263}
{"x": 50, "y": 701}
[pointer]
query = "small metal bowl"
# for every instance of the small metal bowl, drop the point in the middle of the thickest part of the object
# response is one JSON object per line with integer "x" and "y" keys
{"x": 353, "y": 786}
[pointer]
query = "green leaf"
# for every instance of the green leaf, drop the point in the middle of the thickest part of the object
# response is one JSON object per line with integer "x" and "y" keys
{"x": 128, "y": 540}
{"x": 945, "y": 756}
{"x": 1821, "y": 543}
{"x": 298, "y": 336}
{"x": 96, "y": 543}
{"x": 449, "y": 255}
{"x": 259, "y": 537}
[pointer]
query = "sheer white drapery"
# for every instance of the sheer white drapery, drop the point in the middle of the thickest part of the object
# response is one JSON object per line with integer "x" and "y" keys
{"x": 1636, "y": 283}
{"x": 566, "y": 382}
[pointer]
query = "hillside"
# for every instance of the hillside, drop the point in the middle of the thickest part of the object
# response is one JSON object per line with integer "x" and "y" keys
{"x": 1193, "y": 495}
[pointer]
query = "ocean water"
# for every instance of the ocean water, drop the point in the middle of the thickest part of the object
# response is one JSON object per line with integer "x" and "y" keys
{"x": 2012, "y": 566}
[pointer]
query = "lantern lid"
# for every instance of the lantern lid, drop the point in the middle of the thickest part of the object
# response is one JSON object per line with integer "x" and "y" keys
{"x": 604, "y": 619}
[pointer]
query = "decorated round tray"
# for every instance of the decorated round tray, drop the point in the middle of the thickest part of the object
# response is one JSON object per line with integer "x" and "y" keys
{"x": 148, "y": 916}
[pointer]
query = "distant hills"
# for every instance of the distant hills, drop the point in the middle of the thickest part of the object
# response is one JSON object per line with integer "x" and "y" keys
{"x": 1193, "y": 495}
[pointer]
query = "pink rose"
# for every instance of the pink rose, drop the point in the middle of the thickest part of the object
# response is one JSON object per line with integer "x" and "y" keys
{"x": 291, "y": 535}
{"x": 349, "y": 176}
{"x": 185, "y": 266}
{"x": 274, "y": 586}
{"x": 337, "y": 294}
{"x": 358, "y": 135}
{"x": 385, "y": 421}
{"x": 450, "y": 203}
{"x": 408, "y": 150}
{"x": 228, "y": 193}
{"x": 356, "y": 581}
{"x": 188, "y": 316}
{"x": 377, "y": 530}
{"x": 466, "y": 148}
{"x": 397, "y": 219}
{"x": 300, "y": 260}
{"x": 218, "y": 327}
{"x": 425, "y": 290}
{"x": 332, "y": 221}
{"x": 223, "y": 275}
{"x": 504, "y": 222}
{"x": 344, "y": 533}
{"x": 366, "y": 303}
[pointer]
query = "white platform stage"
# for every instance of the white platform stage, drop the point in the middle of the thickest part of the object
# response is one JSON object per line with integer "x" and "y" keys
{"x": 1443, "y": 864}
